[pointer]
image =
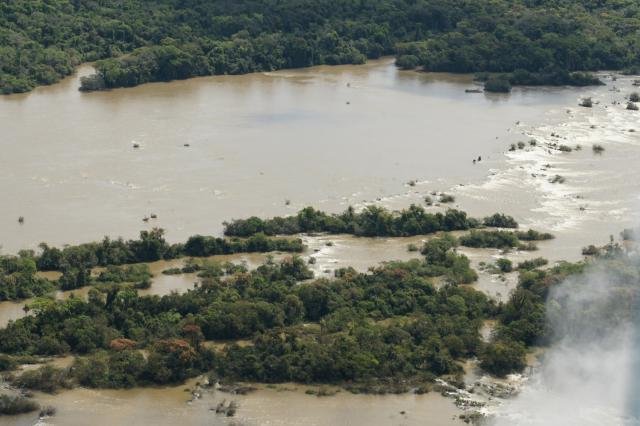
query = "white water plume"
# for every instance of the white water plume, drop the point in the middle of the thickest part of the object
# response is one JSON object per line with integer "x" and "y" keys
{"x": 590, "y": 375}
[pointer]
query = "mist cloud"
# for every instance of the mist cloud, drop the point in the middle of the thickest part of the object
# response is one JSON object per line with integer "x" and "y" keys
{"x": 590, "y": 374}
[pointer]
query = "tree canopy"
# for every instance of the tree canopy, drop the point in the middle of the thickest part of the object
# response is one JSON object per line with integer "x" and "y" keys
{"x": 541, "y": 41}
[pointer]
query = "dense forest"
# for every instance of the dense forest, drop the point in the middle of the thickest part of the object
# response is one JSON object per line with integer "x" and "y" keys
{"x": 390, "y": 329}
{"x": 391, "y": 323}
{"x": 135, "y": 41}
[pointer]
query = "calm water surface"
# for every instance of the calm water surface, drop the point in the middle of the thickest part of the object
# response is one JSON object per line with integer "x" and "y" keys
{"x": 325, "y": 136}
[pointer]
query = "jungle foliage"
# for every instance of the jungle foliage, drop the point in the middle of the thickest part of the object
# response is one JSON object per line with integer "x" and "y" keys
{"x": 536, "y": 42}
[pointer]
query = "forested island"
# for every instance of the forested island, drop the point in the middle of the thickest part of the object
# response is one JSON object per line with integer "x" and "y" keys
{"x": 395, "y": 328}
{"x": 524, "y": 42}
{"x": 19, "y": 277}
{"x": 388, "y": 330}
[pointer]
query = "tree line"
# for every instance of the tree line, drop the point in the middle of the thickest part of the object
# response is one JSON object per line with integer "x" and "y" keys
{"x": 538, "y": 42}
{"x": 19, "y": 278}
{"x": 371, "y": 221}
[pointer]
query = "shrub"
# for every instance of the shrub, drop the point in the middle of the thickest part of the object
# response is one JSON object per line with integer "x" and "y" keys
{"x": 46, "y": 379}
{"x": 503, "y": 357}
{"x": 499, "y": 220}
{"x": 407, "y": 62}
{"x": 597, "y": 149}
{"x": 92, "y": 83}
{"x": 634, "y": 97}
{"x": 486, "y": 239}
{"x": 7, "y": 363}
{"x": 532, "y": 235}
{"x": 47, "y": 411}
{"x": 497, "y": 85}
{"x": 530, "y": 246}
{"x": 632, "y": 107}
{"x": 590, "y": 250}
{"x": 586, "y": 102}
{"x": 10, "y": 405}
{"x": 532, "y": 263}
{"x": 504, "y": 265}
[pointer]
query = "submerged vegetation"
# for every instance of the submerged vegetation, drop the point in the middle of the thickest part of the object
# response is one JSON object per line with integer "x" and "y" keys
{"x": 159, "y": 40}
{"x": 497, "y": 85}
{"x": 503, "y": 239}
{"x": 19, "y": 277}
{"x": 16, "y": 405}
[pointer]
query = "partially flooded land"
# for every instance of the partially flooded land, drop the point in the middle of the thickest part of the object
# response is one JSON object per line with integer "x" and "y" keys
{"x": 217, "y": 148}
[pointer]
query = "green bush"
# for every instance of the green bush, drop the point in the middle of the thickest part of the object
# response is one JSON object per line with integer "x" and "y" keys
{"x": 532, "y": 263}
{"x": 503, "y": 357}
{"x": 486, "y": 239}
{"x": 497, "y": 85}
{"x": 11, "y": 405}
{"x": 407, "y": 62}
{"x": 500, "y": 220}
{"x": 504, "y": 265}
{"x": 46, "y": 379}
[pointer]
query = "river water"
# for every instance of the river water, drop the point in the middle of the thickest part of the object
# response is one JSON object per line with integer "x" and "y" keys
{"x": 269, "y": 144}
{"x": 325, "y": 136}
{"x": 284, "y": 405}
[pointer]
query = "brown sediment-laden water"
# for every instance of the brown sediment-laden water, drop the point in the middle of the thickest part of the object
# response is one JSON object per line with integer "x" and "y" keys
{"x": 324, "y": 136}
{"x": 78, "y": 166}
{"x": 285, "y": 405}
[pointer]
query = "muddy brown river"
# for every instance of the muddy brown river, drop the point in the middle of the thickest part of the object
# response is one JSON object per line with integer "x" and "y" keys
{"x": 325, "y": 136}
{"x": 285, "y": 405}
{"x": 215, "y": 148}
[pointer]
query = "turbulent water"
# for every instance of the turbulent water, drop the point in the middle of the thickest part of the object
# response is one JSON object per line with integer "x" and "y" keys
{"x": 327, "y": 137}
{"x": 590, "y": 375}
